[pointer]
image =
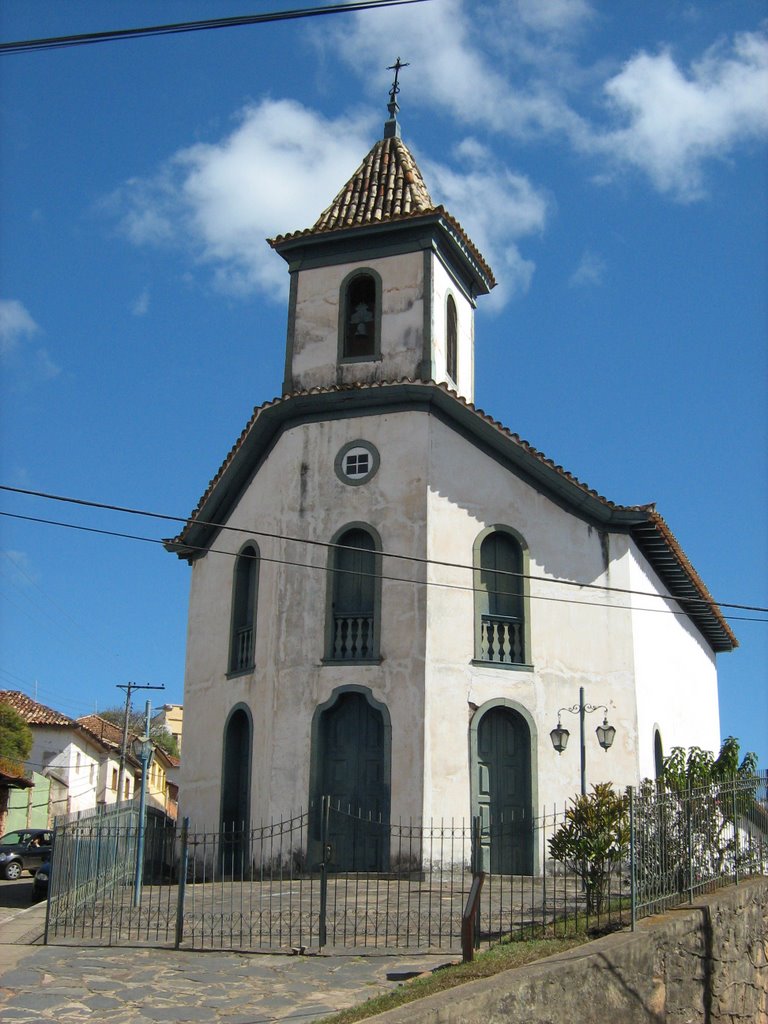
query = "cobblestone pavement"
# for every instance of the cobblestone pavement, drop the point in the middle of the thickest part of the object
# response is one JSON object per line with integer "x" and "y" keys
{"x": 73, "y": 984}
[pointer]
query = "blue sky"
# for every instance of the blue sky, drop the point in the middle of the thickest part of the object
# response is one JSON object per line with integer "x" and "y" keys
{"x": 609, "y": 159}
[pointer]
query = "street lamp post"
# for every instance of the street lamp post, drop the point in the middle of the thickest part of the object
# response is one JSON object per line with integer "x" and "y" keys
{"x": 143, "y": 750}
{"x": 605, "y": 732}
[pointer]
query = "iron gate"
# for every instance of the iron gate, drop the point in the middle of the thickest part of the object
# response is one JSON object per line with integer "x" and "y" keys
{"x": 278, "y": 887}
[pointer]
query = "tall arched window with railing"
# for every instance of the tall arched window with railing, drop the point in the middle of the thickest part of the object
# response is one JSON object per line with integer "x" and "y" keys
{"x": 451, "y": 339}
{"x": 500, "y": 592}
{"x": 355, "y": 588}
{"x": 244, "y": 594}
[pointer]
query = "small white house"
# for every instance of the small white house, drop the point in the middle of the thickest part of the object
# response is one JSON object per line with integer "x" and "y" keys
{"x": 81, "y": 763}
{"x": 393, "y": 595}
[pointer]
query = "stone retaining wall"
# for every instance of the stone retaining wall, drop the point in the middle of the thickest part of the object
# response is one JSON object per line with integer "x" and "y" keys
{"x": 704, "y": 963}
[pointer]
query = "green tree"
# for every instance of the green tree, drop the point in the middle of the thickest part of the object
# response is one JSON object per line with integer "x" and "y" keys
{"x": 594, "y": 840}
{"x": 136, "y": 724}
{"x": 683, "y": 769}
{"x": 15, "y": 737}
{"x": 689, "y": 823}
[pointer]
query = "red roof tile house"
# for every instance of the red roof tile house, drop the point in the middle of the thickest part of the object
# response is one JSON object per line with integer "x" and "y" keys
{"x": 392, "y": 594}
{"x": 79, "y": 757}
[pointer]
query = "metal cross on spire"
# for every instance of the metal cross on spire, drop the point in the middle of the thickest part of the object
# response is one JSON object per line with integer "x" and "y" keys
{"x": 391, "y": 127}
{"x": 395, "y": 87}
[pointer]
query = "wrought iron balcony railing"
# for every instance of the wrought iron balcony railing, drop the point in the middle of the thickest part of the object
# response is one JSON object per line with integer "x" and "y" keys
{"x": 243, "y": 649}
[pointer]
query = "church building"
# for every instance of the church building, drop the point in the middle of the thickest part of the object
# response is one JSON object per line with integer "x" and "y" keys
{"x": 394, "y": 598}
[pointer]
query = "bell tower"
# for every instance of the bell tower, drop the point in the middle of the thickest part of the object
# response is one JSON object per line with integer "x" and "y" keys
{"x": 384, "y": 284}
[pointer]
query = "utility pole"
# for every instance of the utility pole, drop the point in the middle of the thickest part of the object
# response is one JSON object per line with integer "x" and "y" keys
{"x": 129, "y": 688}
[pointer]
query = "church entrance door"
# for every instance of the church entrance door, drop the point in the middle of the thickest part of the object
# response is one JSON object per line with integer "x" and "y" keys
{"x": 235, "y": 790}
{"x": 352, "y": 773}
{"x": 504, "y": 792}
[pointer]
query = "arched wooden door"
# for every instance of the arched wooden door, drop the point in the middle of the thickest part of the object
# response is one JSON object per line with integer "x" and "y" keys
{"x": 235, "y": 790}
{"x": 504, "y": 792}
{"x": 354, "y": 774}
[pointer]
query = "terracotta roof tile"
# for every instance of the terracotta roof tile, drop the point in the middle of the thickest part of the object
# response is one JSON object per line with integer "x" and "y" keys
{"x": 386, "y": 184}
{"x": 386, "y": 187}
{"x": 648, "y": 526}
{"x": 107, "y": 732}
{"x": 32, "y": 712}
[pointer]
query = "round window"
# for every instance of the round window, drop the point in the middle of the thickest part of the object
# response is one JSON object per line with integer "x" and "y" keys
{"x": 356, "y": 462}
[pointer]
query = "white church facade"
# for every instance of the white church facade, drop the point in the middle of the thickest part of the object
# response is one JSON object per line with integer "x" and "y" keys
{"x": 392, "y": 594}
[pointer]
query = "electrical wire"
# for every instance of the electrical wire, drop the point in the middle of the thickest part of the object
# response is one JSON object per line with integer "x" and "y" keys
{"x": 59, "y": 42}
{"x": 383, "y": 576}
{"x": 329, "y": 545}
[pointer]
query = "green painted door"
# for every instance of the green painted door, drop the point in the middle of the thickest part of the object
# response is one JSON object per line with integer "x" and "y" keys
{"x": 353, "y": 775}
{"x": 235, "y": 793}
{"x": 504, "y": 792}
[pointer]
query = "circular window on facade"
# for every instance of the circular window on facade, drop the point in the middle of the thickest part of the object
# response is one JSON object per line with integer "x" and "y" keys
{"x": 356, "y": 462}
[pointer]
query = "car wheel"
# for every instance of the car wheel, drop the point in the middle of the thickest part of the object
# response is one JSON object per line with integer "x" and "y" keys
{"x": 12, "y": 870}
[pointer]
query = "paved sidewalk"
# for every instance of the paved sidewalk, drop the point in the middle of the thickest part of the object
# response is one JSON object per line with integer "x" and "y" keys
{"x": 73, "y": 984}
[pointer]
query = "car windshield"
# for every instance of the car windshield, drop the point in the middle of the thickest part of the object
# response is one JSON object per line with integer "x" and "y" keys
{"x": 12, "y": 839}
{"x": 19, "y": 838}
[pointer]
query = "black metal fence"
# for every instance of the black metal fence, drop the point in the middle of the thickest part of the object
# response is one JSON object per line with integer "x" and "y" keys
{"x": 688, "y": 841}
{"x": 278, "y": 886}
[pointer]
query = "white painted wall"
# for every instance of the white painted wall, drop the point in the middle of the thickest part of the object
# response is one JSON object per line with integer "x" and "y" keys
{"x": 316, "y": 325}
{"x": 443, "y": 285}
{"x": 74, "y": 760}
{"x": 675, "y": 673}
{"x": 433, "y": 494}
{"x": 298, "y": 494}
{"x": 575, "y": 641}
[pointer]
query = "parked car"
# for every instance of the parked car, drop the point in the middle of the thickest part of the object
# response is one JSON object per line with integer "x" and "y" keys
{"x": 41, "y": 879}
{"x": 24, "y": 850}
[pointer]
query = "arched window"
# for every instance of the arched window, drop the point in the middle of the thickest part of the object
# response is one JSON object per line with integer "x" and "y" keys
{"x": 500, "y": 628}
{"x": 451, "y": 339}
{"x": 658, "y": 754}
{"x": 355, "y": 588}
{"x": 360, "y": 316}
{"x": 245, "y": 591}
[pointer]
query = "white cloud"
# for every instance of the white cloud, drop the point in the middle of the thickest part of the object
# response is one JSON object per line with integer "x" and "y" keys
{"x": 140, "y": 306}
{"x": 555, "y": 16}
{"x": 45, "y": 367}
{"x": 16, "y": 325}
{"x": 677, "y": 122}
{"x": 490, "y": 65}
{"x": 31, "y": 365}
{"x": 590, "y": 270}
{"x": 516, "y": 69}
{"x": 279, "y": 169}
{"x": 274, "y": 173}
{"x": 496, "y": 208}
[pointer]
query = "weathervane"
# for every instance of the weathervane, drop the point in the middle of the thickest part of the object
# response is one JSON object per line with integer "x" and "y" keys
{"x": 391, "y": 127}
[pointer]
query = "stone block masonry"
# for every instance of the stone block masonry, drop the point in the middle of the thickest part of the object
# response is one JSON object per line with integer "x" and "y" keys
{"x": 700, "y": 964}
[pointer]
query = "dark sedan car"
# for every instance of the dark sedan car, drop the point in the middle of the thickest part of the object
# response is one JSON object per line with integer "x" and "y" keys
{"x": 41, "y": 879}
{"x": 24, "y": 850}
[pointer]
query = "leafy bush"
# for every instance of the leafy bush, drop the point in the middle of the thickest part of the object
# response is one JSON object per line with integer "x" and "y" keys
{"x": 594, "y": 840}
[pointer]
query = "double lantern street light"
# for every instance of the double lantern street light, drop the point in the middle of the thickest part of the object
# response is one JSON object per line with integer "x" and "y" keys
{"x": 605, "y": 732}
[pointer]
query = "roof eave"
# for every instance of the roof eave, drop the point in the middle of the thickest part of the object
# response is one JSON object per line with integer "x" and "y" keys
{"x": 641, "y": 522}
{"x": 297, "y": 248}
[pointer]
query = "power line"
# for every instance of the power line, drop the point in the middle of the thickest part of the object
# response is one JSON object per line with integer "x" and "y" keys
{"x": 60, "y": 42}
{"x": 328, "y": 545}
{"x": 400, "y": 579}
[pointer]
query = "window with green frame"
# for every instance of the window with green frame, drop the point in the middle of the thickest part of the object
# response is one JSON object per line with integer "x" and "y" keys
{"x": 500, "y": 603}
{"x": 245, "y": 591}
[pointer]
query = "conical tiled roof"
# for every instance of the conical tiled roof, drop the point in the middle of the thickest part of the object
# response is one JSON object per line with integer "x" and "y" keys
{"x": 387, "y": 184}
{"x": 386, "y": 188}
